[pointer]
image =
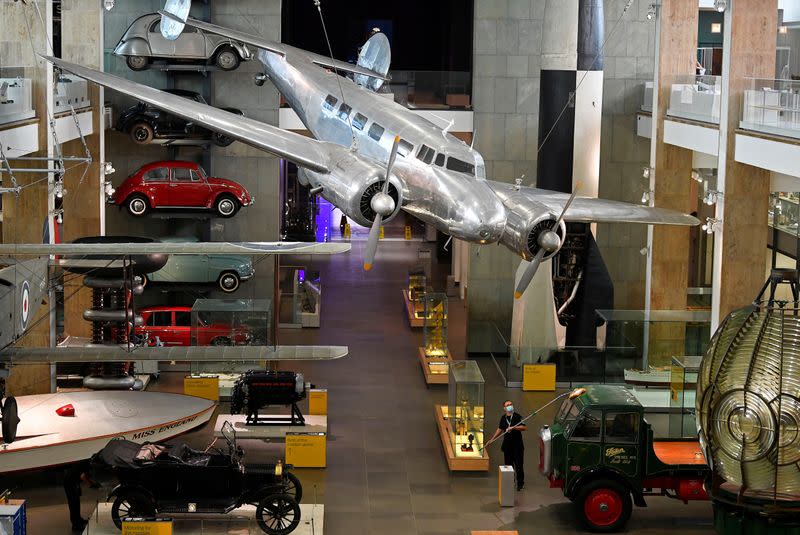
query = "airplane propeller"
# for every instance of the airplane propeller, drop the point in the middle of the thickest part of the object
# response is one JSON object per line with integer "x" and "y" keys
{"x": 549, "y": 242}
{"x": 383, "y": 205}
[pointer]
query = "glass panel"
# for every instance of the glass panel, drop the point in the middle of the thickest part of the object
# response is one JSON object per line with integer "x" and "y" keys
{"x": 588, "y": 426}
{"x": 16, "y": 97}
{"x": 344, "y": 111}
{"x": 683, "y": 385}
{"x": 376, "y": 131}
{"x": 157, "y": 175}
{"x": 696, "y": 98}
{"x": 440, "y": 159}
{"x": 161, "y": 319}
{"x": 181, "y": 174}
{"x": 622, "y": 427}
{"x": 330, "y": 102}
{"x": 404, "y": 148}
{"x": 454, "y": 164}
{"x": 359, "y": 121}
{"x": 772, "y": 107}
{"x": 465, "y": 410}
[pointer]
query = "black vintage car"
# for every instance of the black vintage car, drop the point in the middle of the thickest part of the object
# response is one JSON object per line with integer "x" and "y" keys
{"x": 147, "y": 124}
{"x": 158, "y": 479}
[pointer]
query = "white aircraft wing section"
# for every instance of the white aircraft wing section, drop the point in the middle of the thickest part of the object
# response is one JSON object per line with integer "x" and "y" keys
{"x": 120, "y": 353}
{"x": 278, "y": 48}
{"x": 179, "y": 248}
{"x": 304, "y": 151}
{"x": 590, "y": 210}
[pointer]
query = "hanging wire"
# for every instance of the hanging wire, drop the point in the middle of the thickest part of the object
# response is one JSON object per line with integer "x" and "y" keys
{"x": 336, "y": 71}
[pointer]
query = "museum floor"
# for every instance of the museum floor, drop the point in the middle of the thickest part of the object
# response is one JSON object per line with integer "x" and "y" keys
{"x": 386, "y": 474}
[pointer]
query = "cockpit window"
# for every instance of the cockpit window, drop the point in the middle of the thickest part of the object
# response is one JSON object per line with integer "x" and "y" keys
{"x": 440, "y": 159}
{"x": 376, "y": 131}
{"x": 359, "y": 121}
{"x": 426, "y": 154}
{"x": 404, "y": 148}
{"x": 454, "y": 164}
{"x": 330, "y": 102}
{"x": 344, "y": 111}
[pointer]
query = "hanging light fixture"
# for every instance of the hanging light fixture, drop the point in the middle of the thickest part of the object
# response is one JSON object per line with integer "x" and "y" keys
{"x": 720, "y": 5}
{"x": 652, "y": 11}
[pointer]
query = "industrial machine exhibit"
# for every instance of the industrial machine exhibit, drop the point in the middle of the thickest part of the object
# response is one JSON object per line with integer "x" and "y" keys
{"x": 463, "y": 267}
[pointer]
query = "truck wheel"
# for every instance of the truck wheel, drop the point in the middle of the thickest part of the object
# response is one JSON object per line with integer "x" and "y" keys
{"x": 278, "y": 514}
{"x": 604, "y": 506}
{"x": 131, "y": 503}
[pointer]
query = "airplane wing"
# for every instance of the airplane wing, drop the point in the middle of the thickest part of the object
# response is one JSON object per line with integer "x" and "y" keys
{"x": 588, "y": 209}
{"x": 112, "y": 353}
{"x": 122, "y": 249}
{"x": 272, "y": 46}
{"x": 304, "y": 151}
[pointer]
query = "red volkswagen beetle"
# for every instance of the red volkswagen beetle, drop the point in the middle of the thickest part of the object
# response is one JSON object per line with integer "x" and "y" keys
{"x": 179, "y": 185}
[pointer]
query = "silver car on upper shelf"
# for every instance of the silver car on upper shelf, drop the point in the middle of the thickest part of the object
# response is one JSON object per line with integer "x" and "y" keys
{"x": 142, "y": 43}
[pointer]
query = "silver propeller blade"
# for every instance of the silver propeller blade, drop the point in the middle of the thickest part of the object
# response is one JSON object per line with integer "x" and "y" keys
{"x": 383, "y": 205}
{"x": 547, "y": 244}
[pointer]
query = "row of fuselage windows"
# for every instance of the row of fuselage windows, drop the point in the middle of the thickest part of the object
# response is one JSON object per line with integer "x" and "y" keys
{"x": 426, "y": 154}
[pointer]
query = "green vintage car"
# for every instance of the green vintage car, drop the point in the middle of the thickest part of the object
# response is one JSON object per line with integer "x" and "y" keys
{"x": 226, "y": 271}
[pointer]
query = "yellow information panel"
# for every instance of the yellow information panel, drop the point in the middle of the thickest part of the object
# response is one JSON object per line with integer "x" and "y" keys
{"x": 201, "y": 387}
{"x": 539, "y": 377}
{"x": 306, "y": 450}
{"x": 408, "y": 232}
{"x": 318, "y": 401}
{"x": 147, "y": 527}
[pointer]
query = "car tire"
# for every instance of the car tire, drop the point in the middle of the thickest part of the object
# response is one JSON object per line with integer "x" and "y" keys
{"x": 137, "y": 206}
{"x": 229, "y": 282}
{"x": 142, "y": 133}
{"x": 226, "y": 206}
{"x": 227, "y": 58}
{"x": 278, "y": 514}
{"x": 131, "y": 503}
{"x": 221, "y": 140}
{"x": 604, "y": 506}
{"x": 292, "y": 486}
{"x": 137, "y": 63}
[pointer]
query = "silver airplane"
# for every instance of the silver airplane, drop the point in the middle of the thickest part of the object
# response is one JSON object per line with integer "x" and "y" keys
{"x": 373, "y": 157}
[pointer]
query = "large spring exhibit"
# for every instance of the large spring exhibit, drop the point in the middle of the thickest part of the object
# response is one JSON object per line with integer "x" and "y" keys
{"x": 748, "y": 395}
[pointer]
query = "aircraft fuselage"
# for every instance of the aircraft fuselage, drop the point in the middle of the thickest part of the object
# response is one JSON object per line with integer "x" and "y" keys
{"x": 434, "y": 188}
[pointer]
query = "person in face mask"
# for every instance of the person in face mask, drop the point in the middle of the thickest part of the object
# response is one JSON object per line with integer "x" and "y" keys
{"x": 513, "y": 448}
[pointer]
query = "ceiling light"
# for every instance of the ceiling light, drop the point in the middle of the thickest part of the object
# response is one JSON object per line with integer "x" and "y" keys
{"x": 647, "y": 196}
{"x": 58, "y": 190}
{"x": 783, "y": 29}
{"x": 712, "y": 225}
{"x": 696, "y": 176}
{"x": 108, "y": 4}
{"x": 646, "y": 172}
{"x": 716, "y": 27}
{"x": 651, "y": 12}
{"x": 720, "y": 5}
{"x": 108, "y": 168}
{"x": 711, "y": 197}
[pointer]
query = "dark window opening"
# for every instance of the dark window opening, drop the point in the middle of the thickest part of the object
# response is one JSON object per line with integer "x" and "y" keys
{"x": 426, "y": 154}
{"x": 454, "y": 164}
{"x": 160, "y": 319}
{"x": 622, "y": 427}
{"x": 359, "y": 121}
{"x": 183, "y": 319}
{"x": 588, "y": 427}
{"x": 376, "y": 131}
{"x": 330, "y": 102}
{"x": 440, "y": 159}
{"x": 404, "y": 148}
{"x": 344, "y": 111}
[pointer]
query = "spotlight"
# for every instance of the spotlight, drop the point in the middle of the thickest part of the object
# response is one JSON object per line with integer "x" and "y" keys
{"x": 59, "y": 191}
{"x": 696, "y": 176}
{"x": 647, "y": 196}
{"x": 108, "y": 4}
{"x": 109, "y": 189}
{"x": 712, "y": 197}
{"x": 712, "y": 225}
{"x": 652, "y": 11}
{"x": 646, "y": 172}
{"x": 108, "y": 169}
{"x": 720, "y": 5}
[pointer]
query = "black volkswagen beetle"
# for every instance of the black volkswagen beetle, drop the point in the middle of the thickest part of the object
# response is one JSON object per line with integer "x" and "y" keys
{"x": 147, "y": 124}
{"x": 160, "y": 479}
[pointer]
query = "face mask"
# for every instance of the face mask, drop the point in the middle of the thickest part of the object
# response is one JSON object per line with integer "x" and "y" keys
{"x": 510, "y": 409}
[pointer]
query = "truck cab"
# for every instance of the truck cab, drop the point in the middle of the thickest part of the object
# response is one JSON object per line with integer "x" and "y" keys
{"x": 601, "y": 452}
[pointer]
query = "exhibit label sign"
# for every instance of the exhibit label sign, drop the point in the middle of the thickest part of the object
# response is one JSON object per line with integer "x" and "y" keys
{"x": 539, "y": 377}
{"x": 201, "y": 387}
{"x": 160, "y": 526}
{"x": 306, "y": 450}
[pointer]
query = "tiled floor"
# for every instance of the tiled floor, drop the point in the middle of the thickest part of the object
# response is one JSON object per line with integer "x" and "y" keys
{"x": 386, "y": 474}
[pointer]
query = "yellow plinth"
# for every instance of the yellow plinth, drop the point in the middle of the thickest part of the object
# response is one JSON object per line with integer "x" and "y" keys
{"x": 436, "y": 371}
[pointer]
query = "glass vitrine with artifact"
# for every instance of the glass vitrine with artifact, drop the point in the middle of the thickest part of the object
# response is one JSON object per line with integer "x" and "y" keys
{"x": 16, "y": 101}
{"x": 415, "y": 293}
{"x": 465, "y": 409}
{"x": 300, "y": 297}
{"x": 435, "y": 349}
{"x": 682, "y": 390}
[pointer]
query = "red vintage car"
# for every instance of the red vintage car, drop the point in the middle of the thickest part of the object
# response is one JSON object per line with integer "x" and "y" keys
{"x": 179, "y": 185}
{"x": 172, "y": 326}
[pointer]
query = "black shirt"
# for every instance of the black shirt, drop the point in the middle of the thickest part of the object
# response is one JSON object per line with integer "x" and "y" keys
{"x": 512, "y": 439}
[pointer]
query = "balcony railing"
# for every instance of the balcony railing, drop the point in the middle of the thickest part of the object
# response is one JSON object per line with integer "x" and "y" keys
{"x": 772, "y": 107}
{"x": 696, "y": 98}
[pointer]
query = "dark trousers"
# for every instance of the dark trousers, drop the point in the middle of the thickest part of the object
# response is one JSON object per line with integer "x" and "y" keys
{"x": 72, "y": 489}
{"x": 515, "y": 457}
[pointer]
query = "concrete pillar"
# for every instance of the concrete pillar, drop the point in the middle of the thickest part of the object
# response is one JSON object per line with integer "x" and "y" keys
{"x": 751, "y": 28}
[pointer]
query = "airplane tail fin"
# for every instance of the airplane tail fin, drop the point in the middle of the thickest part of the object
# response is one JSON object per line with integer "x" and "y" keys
{"x": 171, "y": 27}
{"x": 375, "y": 55}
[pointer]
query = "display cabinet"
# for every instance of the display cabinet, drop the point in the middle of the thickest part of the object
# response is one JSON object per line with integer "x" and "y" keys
{"x": 465, "y": 409}
{"x": 697, "y": 98}
{"x": 413, "y": 295}
{"x": 434, "y": 355}
{"x": 300, "y": 296}
{"x": 784, "y": 217}
{"x": 71, "y": 93}
{"x": 16, "y": 101}
{"x": 682, "y": 392}
{"x": 772, "y": 107}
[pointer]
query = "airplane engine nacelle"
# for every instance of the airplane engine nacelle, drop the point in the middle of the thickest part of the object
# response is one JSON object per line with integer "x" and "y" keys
{"x": 350, "y": 187}
{"x": 523, "y": 231}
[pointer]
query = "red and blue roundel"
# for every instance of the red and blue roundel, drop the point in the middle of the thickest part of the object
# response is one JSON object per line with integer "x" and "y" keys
{"x": 26, "y": 304}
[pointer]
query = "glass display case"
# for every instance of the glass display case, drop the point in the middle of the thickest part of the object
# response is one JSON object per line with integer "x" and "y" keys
{"x": 697, "y": 98}
{"x": 16, "y": 95}
{"x": 300, "y": 297}
{"x": 233, "y": 322}
{"x": 71, "y": 92}
{"x": 435, "y": 333}
{"x": 772, "y": 107}
{"x": 465, "y": 408}
{"x": 682, "y": 391}
{"x": 784, "y": 218}
{"x": 417, "y": 287}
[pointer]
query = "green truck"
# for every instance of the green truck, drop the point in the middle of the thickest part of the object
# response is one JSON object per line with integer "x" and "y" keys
{"x": 601, "y": 453}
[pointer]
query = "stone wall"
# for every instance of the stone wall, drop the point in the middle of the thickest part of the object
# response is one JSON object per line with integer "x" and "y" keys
{"x": 506, "y": 71}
